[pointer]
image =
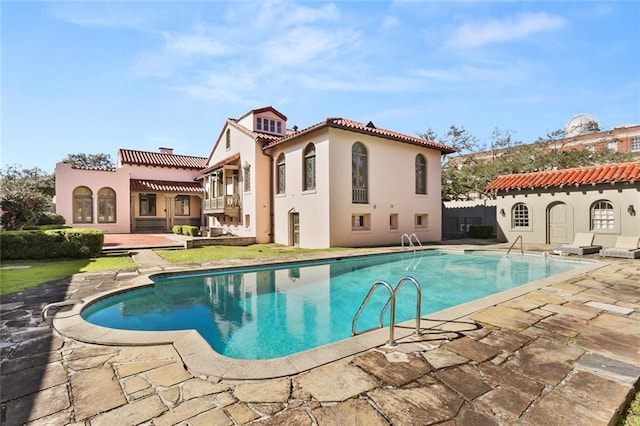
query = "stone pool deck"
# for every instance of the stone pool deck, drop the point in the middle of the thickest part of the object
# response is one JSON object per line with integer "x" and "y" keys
{"x": 567, "y": 353}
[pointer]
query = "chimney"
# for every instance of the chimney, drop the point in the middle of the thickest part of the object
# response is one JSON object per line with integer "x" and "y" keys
{"x": 166, "y": 150}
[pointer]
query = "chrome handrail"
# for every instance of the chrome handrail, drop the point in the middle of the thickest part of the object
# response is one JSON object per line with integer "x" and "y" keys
{"x": 514, "y": 243}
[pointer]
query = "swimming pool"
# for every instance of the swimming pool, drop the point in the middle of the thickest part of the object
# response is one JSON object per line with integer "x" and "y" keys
{"x": 273, "y": 311}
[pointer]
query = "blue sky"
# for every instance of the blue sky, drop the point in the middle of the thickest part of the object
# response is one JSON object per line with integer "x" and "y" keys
{"x": 93, "y": 77}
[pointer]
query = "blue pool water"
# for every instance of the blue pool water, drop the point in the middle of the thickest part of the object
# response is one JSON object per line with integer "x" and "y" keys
{"x": 273, "y": 311}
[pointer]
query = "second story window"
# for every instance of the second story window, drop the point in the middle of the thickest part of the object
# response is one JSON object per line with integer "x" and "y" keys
{"x": 259, "y": 123}
{"x": 278, "y": 127}
{"x": 635, "y": 144}
{"x": 421, "y": 174}
{"x": 228, "y": 139}
{"x": 359, "y": 176}
{"x": 246, "y": 176}
{"x": 309, "y": 171}
{"x": 281, "y": 175}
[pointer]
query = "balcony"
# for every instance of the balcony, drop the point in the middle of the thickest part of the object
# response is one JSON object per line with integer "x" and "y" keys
{"x": 228, "y": 205}
{"x": 359, "y": 195}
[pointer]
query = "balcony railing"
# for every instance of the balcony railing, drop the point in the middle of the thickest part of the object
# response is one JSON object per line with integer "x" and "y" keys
{"x": 359, "y": 195}
{"x": 228, "y": 204}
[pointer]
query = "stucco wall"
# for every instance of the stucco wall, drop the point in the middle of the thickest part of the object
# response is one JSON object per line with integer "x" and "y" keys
{"x": 578, "y": 202}
{"x": 68, "y": 178}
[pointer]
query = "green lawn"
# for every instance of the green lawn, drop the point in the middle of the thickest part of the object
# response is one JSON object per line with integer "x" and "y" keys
{"x": 30, "y": 273}
{"x": 255, "y": 251}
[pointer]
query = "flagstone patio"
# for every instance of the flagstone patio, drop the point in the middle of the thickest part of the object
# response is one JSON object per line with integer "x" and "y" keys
{"x": 567, "y": 353}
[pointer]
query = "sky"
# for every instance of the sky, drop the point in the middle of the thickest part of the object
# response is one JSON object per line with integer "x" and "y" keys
{"x": 93, "y": 77}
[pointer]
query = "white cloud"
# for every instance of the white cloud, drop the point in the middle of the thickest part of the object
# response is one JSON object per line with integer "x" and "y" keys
{"x": 390, "y": 22}
{"x": 505, "y": 30}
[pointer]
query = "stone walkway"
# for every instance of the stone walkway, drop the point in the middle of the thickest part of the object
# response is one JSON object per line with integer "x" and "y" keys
{"x": 566, "y": 354}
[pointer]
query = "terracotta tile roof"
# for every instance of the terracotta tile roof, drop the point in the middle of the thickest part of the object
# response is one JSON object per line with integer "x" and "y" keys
{"x": 228, "y": 160}
{"x": 165, "y": 186}
{"x": 607, "y": 173}
{"x": 159, "y": 159}
{"x": 369, "y": 129}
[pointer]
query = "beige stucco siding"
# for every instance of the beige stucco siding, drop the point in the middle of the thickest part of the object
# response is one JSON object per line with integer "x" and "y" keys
{"x": 391, "y": 183}
{"x": 578, "y": 202}
{"x": 68, "y": 178}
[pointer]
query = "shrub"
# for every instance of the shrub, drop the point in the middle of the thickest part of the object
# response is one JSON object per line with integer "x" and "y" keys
{"x": 50, "y": 218}
{"x": 481, "y": 231}
{"x": 51, "y": 244}
{"x": 192, "y": 231}
{"x": 177, "y": 229}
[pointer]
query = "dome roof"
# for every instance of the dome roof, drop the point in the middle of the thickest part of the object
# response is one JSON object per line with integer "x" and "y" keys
{"x": 581, "y": 124}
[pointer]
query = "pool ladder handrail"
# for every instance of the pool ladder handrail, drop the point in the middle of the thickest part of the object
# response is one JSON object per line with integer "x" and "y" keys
{"x": 57, "y": 305}
{"x": 393, "y": 292}
{"x": 514, "y": 243}
{"x": 410, "y": 239}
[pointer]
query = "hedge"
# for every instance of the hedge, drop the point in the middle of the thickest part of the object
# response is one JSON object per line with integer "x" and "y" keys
{"x": 177, "y": 229}
{"x": 51, "y": 244}
{"x": 192, "y": 231}
{"x": 481, "y": 231}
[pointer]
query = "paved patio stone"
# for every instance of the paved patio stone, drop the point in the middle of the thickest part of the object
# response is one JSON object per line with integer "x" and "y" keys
{"x": 552, "y": 410}
{"x": 14, "y": 365}
{"x": 168, "y": 375}
{"x": 509, "y": 318}
{"x": 469, "y": 416}
{"x": 553, "y": 350}
{"x": 134, "y": 384}
{"x": 350, "y": 412}
{"x": 601, "y": 389}
{"x": 506, "y": 340}
{"x": 194, "y": 388}
{"x": 472, "y": 349}
{"x": 611, "y": 368}
{"x": 610, "y": 344}
{"x": 617, "y": 322}
{"x": 146, "y": 353}
{"x": 396, "y": 373}
{"x": 290, "y": 418}
{"x": 336, "y": 382}
{"x": 505, "y": 403}
{"x": 95, "y": 391}
{"x": 89, "y": 352}
{"x": 417, "y": 406}
{"x": 89, "y": 362}
{"x": 241, "y": 413}
{"x": 132, "y": 368}
{"x": 540, "y": 368}
{"x": 465, "y": 380}
{"x": 38, "y": 405}
{"x": 61, "y": 418}
{"x": 225, "y": 399}
{"x": 131, "y": 414}
{"x": 170, "y": 396}
{"x": 28, "y": 381}
{"x": 264, "y": 391}
{"x": 507, "y": 377}
{"x": 216, "y": 417}
{"x": 442, "y": 358}
{"x": 185, "y": 411}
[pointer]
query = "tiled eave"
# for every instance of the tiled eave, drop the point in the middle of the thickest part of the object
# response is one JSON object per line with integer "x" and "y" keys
{"x": 165, "y": 186}
{"x": 369, "y": 129}
{"x": 229, "y": 160}
{"x": 160, "y": 159}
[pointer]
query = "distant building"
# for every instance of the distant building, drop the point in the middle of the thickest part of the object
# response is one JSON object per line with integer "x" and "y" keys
{"x": 145, "y": 192}
{"x": 581, "y": 132}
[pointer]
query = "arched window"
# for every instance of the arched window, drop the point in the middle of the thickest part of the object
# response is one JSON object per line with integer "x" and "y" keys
{"x": 281, "y": 174}
{"x": 421, "y": 174}
{"x": 359, "y": 174}
{"x": 602, "y": 216}
{"x": 309, "y": 171}
{"x": 520, "y": 216}
{"x": 82, "y": 205}
{"x": 106, "y": 205}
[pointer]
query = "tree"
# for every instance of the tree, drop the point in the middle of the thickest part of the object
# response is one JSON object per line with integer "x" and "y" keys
{"x": 90, "y": 161}
{"x": 24, "y": 195}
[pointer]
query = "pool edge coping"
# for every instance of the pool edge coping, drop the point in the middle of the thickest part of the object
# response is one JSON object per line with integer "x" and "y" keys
{"x": 200, "y": 358}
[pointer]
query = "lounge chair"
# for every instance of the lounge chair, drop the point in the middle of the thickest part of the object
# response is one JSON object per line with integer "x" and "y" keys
{"x": 582, "y": 244}
{"x": 626, "y": 247}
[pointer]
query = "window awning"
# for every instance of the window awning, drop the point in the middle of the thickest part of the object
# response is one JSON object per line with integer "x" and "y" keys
{"x": 165, "y": 186}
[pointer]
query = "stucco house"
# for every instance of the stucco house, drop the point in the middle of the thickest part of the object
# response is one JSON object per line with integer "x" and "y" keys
{"x": 145, "y": 192}
{"x": 335, "y": 183}
{"x": 550, "y": 207}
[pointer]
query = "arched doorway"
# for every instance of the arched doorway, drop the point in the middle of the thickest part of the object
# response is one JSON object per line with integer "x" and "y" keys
{"x": 559, "y": 223}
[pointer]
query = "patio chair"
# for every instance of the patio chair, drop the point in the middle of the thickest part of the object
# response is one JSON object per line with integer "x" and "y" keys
{"x": 626, "y": 247}
{"x": 582, "y": 244}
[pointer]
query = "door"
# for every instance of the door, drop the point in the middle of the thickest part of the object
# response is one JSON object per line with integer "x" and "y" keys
{"x": 558, "y": 224}
{"x": 294, "y": 229}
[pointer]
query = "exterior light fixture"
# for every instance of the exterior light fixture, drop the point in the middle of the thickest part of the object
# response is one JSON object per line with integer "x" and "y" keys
{"x": 631, "y": 210}
{"x": 502, "y": 213}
